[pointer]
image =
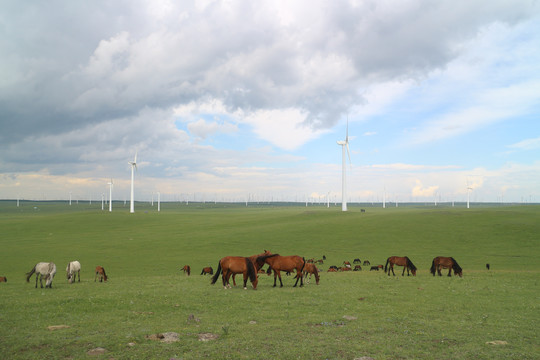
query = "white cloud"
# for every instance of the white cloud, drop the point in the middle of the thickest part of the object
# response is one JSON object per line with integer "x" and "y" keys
{"x": 527, "y": 144}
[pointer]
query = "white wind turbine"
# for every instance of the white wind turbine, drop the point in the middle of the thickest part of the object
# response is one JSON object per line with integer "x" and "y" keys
{"x": 133, "y": 167}
{"x": 344, "y": 144}
{"x": 110, "y": 194}
{"x": 468, "y": 193}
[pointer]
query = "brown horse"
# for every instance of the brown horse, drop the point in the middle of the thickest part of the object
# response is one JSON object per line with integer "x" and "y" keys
{"x": 187, "y": 269}
{"x": 279, "y": 263}
{"x": 207, "y": 270}
{"x": 311, "y": 269}
{"x": 100, "y": 272}
{"x": 400, "y": 261}
{"x": 253, "y": 259}
{"x": 3, "y": 279}
{"x": 446, "y": 263}
{"x": 236, "y": 265}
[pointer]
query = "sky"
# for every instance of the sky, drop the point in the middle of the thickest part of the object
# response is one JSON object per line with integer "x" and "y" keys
{"x": 246, "y": 100}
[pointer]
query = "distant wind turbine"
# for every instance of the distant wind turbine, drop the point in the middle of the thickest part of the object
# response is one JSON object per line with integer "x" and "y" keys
{"x": 344, "y": 144}
{"x": 133, "y": 167}
{"x": 468, "y": 193}
{"x": 158, "y": 201}
{"x": 110, "y": 195}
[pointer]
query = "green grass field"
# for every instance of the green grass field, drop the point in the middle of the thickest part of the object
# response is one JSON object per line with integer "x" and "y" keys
{"x": 347, "y": 316}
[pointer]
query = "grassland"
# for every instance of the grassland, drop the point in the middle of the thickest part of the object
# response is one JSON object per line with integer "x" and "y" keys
{"x": 347, "y": 316}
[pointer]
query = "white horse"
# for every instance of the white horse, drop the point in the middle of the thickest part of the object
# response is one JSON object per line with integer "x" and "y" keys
{"x": 72, "y": 270}
{"x": 43, "y": 270}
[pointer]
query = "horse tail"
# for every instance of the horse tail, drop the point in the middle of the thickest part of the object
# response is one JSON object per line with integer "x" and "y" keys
{"x": 432, "y": 270}
{"x": 29, "y": 274}
{"x": 216, "y": 275}
{"x": 303, "y": 265}
{"x": 251, "y": 270}
{"x": 386, "y": 266}
{"x": 410, "y": 264}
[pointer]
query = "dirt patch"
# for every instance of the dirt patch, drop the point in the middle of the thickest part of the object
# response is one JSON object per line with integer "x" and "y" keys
{"x": 167, "y": 337}
{"x": 207, "y": 336}
{"x": 96, "y": 351}
{"x": 497, "y": 342}
{"x": 58, "y": 327}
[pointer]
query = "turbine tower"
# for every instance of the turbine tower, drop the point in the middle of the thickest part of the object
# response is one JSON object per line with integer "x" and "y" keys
{"x": 344, "y": 144}
{"x": 110, "y": 194}
{"x": 133, "y": 168}
{"x": 468, "y": 193}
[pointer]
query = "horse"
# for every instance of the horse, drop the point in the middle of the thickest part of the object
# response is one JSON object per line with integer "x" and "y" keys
{"x": 45, "y": 270}
{"x": 446, "y": 263}
{"x": 279, "y": 263}
{"x": 347, "y": 263}
{"x": 357, "y": 261}
{"x": 207, "y": 270}
{"x": 487, "y": 266}
{"x": 357, "y": 268}
{"x": 376, "y": 268}
{"x": 100, "y": 271}
{"x": 187, "y": 269}
{"x": 73, "y": 268}
{"x": 332, "y": 270}
{"x": 311, "y": 269}
{"x": 3, "y": 279}
{"x": 258, "y": 267}
{"x": 366, "y": 263}
{"x": 236, "y": 265}
{"x": 401, "y": 261}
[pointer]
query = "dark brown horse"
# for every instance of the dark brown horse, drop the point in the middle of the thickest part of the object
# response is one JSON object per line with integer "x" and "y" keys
{"x": 279, "y": 263}
{"x": 236, "y": 265}
{"x": 207, "y": 270}
{"x": 3, "y": 279}
{"x": 400, "y": 261}
{"x": 311, "y": 269}
{"x": 187, "y": 269}
{"x": 441, "y": 262}
{"x": 100, "y": 272}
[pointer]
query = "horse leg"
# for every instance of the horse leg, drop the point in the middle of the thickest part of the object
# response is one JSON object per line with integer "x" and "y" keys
{"x": 79, "y": 272}
{"x": 391, "y": 268}
{"x": 37, "y": 275}
{"x": 439, "y": 270}
{"x": 403, "y": 273}
{"x": 450, "y": 271}
{"x": 245, "y": 280}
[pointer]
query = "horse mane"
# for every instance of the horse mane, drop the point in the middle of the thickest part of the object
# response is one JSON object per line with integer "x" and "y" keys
{"x": 251, "y": 270}
{"x": 455, "y": 266}
{"x": 410, "y": 264}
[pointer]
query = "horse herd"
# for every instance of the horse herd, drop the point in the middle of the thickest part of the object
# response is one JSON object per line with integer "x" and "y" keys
{"x": 250, "y": 266}
{"x": 47, "y": 270}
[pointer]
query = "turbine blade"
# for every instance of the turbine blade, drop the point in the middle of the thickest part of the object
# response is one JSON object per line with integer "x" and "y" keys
{"x": 348, "y": 153}
{"x": 135, "y": 161}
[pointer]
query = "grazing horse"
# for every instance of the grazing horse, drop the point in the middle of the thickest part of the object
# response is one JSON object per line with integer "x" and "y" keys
{"x": 332, "y": 270}
{"x": 279, "y": 263}
{"x": 236, "y": 265}
{"x": 366, "y": 263}
{"x": 357, "y": 268}
{"x": 357, "y": 261}
{"x": 3, "y": 279}
{"x": 72, "y": 270}
{"x": 446, "y": 263}
{"x": 376, "y": 268}
{"x": 487, "y": 266}
{"x": 187, "y": 269}
{"x": 45, "y": 270}
{"x": 100, "y": 271}
{"x": 400, "y": 261}
{"x": 311, "y": 269}
{"x": 207, "y": 270}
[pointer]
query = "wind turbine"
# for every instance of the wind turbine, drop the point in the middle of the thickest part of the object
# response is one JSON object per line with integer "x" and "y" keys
{"x": 110, "y": 194}
{"x": 344, "y": 144}
{"x": 133, "y": 167}
{"x": 468, "y": 192}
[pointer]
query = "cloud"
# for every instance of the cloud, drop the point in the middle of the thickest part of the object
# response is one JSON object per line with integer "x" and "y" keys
{"x": 202, "y": 129}
{"x": 527, "y": 144}
{"x": 420, "y": 191}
